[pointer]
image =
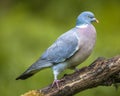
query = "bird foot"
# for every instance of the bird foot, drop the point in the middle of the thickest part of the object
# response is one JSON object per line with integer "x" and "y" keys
{"x": 76, "y": 70}
{"x": 56, "y": 82}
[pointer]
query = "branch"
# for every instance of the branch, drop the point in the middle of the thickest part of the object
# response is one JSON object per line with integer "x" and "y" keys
{"x": 102, "y": 72}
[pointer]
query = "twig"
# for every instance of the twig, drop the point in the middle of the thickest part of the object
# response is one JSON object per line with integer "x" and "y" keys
{"x": 102, "y": 72}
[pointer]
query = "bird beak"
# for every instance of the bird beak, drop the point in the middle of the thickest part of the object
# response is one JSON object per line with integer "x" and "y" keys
{"x": 96, "y": 21}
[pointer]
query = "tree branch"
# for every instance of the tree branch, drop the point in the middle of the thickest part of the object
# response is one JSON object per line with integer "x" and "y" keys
{"x": 102, "y": 72}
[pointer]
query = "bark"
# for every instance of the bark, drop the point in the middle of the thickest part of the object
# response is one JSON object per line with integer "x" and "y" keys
{"x": 102, "y": 72}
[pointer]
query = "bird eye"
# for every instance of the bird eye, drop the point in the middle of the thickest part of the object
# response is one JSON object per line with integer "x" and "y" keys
{"x": 89, "y": 16}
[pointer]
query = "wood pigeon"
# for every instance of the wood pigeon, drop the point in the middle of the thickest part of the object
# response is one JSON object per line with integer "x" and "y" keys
{"x": 69, "y": 50}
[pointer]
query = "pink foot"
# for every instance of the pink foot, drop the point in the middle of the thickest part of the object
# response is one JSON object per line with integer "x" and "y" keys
{"x": 76, "y": 70}
{"x": 56, "y": 82}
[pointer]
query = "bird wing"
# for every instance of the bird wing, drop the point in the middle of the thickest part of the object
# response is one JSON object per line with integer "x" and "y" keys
{"x": 63, "y": 48}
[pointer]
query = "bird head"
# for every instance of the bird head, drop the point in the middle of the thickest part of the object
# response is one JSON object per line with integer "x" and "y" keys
{"x": 86, "y": 18}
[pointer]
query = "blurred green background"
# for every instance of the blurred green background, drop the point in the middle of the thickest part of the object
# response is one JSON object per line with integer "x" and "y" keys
{"x": 28, "y": 27}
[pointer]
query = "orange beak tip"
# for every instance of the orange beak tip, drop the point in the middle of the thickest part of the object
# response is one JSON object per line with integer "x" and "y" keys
{"x": 97, "y": 21}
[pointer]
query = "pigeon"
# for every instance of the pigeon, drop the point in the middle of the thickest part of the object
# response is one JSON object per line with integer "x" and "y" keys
{"x": 69, "y": 50}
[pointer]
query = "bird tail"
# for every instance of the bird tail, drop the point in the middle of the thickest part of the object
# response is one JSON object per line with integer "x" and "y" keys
{"x": 37, "y": 66}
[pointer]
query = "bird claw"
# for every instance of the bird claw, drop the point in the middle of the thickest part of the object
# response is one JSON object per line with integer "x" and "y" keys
{"x": 76, "y": 70}
{"x": 56, "y": 82}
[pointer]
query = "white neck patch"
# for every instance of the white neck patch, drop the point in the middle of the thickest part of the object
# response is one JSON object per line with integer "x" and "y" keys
{"x": 82, "y": 26}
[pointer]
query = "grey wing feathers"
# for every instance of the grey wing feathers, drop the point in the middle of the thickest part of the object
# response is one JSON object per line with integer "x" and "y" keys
{"x": 65, "y": 46}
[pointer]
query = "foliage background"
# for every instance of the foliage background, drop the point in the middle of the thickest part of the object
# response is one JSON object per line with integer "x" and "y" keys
{"x": 28, "y": 27}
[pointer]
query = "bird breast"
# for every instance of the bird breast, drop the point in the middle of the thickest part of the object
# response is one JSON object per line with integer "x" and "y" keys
{"x": 86, "y": 37}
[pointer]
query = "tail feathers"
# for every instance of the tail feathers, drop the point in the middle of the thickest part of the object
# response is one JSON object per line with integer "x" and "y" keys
{"x": 37, "y": 66}
{"x": 28, "y": 73}
{"x": 24, "y": 76}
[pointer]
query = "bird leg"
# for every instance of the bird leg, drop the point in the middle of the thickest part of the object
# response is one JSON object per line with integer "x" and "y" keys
{"x": 56, "y": 82}
{"x": 76, "y": 69}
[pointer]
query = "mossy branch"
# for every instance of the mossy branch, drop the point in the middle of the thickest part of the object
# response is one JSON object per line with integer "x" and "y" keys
{"x": 102, "y": 72}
